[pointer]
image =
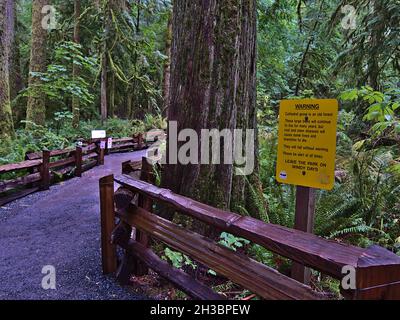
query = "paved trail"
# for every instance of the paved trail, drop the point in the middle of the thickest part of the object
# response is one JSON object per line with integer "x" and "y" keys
{"x": 59, "y": 227}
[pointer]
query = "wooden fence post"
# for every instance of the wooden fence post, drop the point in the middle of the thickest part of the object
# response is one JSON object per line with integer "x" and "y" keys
{"x": 107, "y": 151}
{"x": 45, "y": 170}
{"x": 78, "y": 162}
{"x": 100, "y": 152}
{"x": 377, "y": 278}
{"x": 147, "y": 204}
{"x": 304, "y": 221}
{"x": 108, "y": 250}
{"x": 140, "y": 141}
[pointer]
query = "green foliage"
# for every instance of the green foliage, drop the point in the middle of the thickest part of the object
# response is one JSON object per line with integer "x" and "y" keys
{"x": 177, "y": 259}
{"x": 38, "y": 139}
{"x": 59, "y": 83}
{"x": 230, "y": 241}
{"x": 152, "y": 121}
{"x": 383, "y": 110}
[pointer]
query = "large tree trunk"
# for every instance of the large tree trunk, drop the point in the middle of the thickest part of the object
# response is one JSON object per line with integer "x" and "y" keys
{"x": 36, "y": 109}
{"x": 104, "y": 64}
{"x": 6, "y": 40}
{"x": 16, "y": 83}
{"x": 213, "y": 86}
{"x": 103, "y": 103}
{"x": 75, "y": 67}
{"x": 129, "y": 98}
{"x": 111, "y": 94}
{"x": 167, "y": 67}
{"x": 377, "y": 33}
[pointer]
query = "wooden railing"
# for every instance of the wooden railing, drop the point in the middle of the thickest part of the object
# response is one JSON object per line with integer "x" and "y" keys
{"x": 127, "y": 144}
{"x": 377, "y": 270}
{"x": 42, "y": 167}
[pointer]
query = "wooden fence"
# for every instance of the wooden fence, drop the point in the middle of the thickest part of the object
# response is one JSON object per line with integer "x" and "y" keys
{"x": 43, "y": 167}
{"x": 377, "y": 270}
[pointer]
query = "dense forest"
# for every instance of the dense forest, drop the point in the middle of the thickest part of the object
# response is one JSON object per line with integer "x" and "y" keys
{"x": 126, "y": 66}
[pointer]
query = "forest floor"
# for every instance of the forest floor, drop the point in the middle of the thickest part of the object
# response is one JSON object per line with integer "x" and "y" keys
{"x": 61, "y": 228}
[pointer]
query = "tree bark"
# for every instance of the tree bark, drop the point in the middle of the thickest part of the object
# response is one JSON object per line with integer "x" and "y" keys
{"x": 111, "y": 94}
{"x": 104, "y": 66}
{"x": 104, "y": 88}
{"x": 129, "y": 98}
{"x": 36, "y": 109}
{"x": 16, "y": 82}
{"x": 7, "y": 34}
{"x": 377, "y": 33}
{"x": 167, "y": 67}
{"x": 75, "y": 67}
{"x": 213, "y": 86}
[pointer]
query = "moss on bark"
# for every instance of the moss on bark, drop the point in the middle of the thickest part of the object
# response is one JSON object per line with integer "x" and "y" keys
{"x": 6, "y": 40}
{"x": 36, "y": 108}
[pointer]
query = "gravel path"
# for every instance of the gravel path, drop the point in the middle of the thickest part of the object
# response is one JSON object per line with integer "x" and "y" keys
{"x": 59, "y": 227}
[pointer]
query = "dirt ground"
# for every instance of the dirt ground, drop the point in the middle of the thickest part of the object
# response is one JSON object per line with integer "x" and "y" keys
{"x": 61, "y": 228}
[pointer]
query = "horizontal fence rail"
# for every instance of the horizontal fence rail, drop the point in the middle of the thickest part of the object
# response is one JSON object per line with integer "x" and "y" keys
{"x": 377, "y": 269}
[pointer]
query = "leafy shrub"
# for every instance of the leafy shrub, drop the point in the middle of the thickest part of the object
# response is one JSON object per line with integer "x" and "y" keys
{"x": 178, "y": 259}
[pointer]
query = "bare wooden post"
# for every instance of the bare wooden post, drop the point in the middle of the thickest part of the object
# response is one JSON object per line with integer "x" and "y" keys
{"x": 78, "y": 162}
{"x": 304, "y": 221}
{"x": 100, "y": 152}
{"x": 108, "y": 250}
{"x": 126, "y": 167}
{"x": 45, "y": 171}
{"x": 140, "y": 141}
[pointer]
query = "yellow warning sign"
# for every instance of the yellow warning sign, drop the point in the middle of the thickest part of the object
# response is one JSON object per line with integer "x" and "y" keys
{"x": 307, "y": 143}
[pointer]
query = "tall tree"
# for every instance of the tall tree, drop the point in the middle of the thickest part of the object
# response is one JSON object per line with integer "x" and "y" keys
{"x": 75, "y": 70}
{"x": 213, "y": 86}
{"x": 36, "y": 109}
{"x": 16, "y": 81}
{"x": 104, "y": 10}
{"x": 167, "y": 66}
{"x": 7, "y": 34}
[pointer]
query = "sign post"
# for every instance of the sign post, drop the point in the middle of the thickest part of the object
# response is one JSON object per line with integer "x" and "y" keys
{"x": 306, "y": 158}
{"x": 304, "y": 221}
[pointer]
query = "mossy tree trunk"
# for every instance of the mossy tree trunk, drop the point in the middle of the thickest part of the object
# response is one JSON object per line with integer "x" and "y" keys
{"x": 213, "y": 86}
{"x": 104, "y": 62}
{"x": 111, "y": 94}
{"x": 7, "y": 34}
{"x": 16, "y": 81}
{"x": 75, "y": 67}
{"x": 129, "y": 98}
{"x": 167, "y": 67}
{"x": 36, "y": 108}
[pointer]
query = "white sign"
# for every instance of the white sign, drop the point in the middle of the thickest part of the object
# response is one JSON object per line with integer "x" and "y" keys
{"x": 98, "y": 134}
{"x": 102, "y": 145}
{"x": 109, "y": 143}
